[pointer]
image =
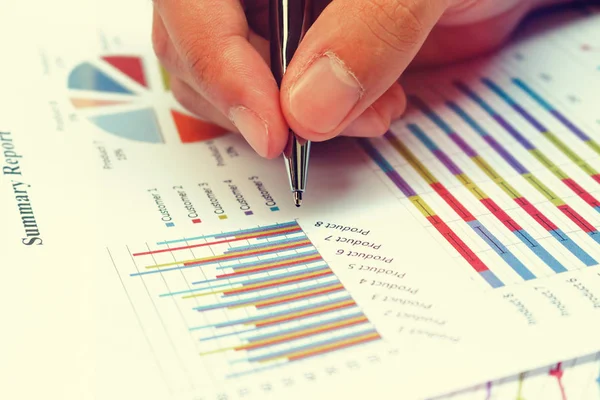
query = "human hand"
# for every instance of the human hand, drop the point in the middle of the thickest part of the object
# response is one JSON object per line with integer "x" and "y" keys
{"x": 343, "y": 78}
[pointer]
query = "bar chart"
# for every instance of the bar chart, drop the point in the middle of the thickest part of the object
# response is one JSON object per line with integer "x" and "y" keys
{"x": 491, "y": 165}
{"x": 247, "y": 300}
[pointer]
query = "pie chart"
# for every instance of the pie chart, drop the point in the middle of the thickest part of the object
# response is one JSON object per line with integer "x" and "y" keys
{"x": 115, "y": 93}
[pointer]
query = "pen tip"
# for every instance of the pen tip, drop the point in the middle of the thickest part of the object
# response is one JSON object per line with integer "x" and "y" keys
{"x": 298, "y": 198}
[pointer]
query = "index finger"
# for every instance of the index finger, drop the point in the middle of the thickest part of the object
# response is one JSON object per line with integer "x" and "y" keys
{"x": 211, "y": 37}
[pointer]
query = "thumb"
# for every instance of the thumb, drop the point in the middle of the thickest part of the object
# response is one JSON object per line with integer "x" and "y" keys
{"x": 354, "y": 52}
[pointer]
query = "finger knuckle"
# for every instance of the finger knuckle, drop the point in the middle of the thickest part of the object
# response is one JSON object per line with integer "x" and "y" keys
{"x": 395, "y": 23}
{"x": 202, "y": 66}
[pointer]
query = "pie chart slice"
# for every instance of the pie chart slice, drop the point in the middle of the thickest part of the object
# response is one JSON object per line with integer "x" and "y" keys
{"x": 118, "y": 93}
{"x": 194, "y": 130}
{"x": 139, "y": 125}
{"x": 87, "y": 103}
{"x": 89, "y": 77}
{"x": 130, "y": 66}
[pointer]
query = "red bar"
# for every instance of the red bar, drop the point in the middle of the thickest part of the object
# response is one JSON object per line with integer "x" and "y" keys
{"x": 577, "y": 219}
{"x": 290, "y": 230}
{"x": 261, "y": 251}
{"x": 499, "y": 213}
{"x": 458, "y": 244}
{"x": 279, "y": 265}
{"x": 300, "y": 335}
{"x": 581, "y": 192}
{"x": 596, "y": 177}
{"x": 272, "y": 284}
{"x": 309, "y": 314}
{"x": 298, "y": 296}
{"x": 453, "y": 202}
{"x": 341, "y": 346}
{"x": 535, "y": 214}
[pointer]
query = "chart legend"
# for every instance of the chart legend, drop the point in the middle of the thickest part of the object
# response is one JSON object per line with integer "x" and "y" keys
{"x": 115, "y": 94}
{"x": 248, "y": 299}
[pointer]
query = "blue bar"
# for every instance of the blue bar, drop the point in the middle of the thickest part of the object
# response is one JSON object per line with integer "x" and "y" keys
{"x": 309, "y": 326}
{"x": 279, "y": 332}
{"x": 266, "y": 261}
{"x": 513, "y": 162}
{"x": 475, "y": 97}
{"x": 573, "y": 247}
{"x": 423, "y": 138}
{"x": 233, "y": 233}
{"x": 540, "y": 251}
{"x": 309, "y": 346}
{"x": 271, "y": 296}
{"x": 559, "y": 235}
{"x": 386, "y": 167}
{"x": 157, "y": 270}
{"x": 525, "y": 114}
{"x": 595, "y": 236}
{"x": 491, "y": 278}
{"x": 295, "y": 264}
{"x": 249, "y": 282}
{"x": 522, "y": 235}
{"x": 279, "y": 285}
{"x": 533, "y": 94}
{"x": 266, "y": 244}
{"x": 430, "y": 114}
{"x": 257, "y": 370}
{"x": 501, "y": 250}
{"x": 496, "y": 89}
{"x": 206, "y": 339}
{"x": 277, "y": 314}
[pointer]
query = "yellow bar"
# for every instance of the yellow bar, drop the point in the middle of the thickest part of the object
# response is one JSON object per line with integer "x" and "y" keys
{"x": 276, "y": 230}
{"x": 485, "y": 167}
{"x": 302, "y": 333}
{"x": 556, "y": 171}
{"x": 276, "y": 281}
{"x": 594, "y": 146}
{"x": 373, "y": 335}
{"x": 217, "y": 351}
{"x": 497, "y": 178}
{"x": 412, "y": 160}
{"x": 304, "y": 312}
{"x": 289, "y": 296}
{"x": 570, "y": 153}
{"x": 166, "y": 78}
{"x": 274, "y": 263}
{"x": 239, "y": 253}
{"x": 422, "y": 206}
{"x": 543, "y": 189}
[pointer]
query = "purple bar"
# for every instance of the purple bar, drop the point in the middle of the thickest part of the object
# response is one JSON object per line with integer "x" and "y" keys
{"x": 578, "y": 132}
{"x": 453, "y": 168}
{"x": 401, "y": 183}
{"x": 524, "y": 142}
{"x": 506, "y": 155}
{"x": 468, "y": 150}
{"x": 530, "y": 118}
{"x": 248, "y": 212}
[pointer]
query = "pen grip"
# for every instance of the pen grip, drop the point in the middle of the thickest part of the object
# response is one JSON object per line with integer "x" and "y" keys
{"x": 289, "y": 21}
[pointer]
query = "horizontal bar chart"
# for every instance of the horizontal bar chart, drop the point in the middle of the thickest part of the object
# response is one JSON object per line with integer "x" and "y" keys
{"x": 266, "y": 296}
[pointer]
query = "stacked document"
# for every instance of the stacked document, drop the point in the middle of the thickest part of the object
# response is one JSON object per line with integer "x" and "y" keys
{"x": 150, "y": 255}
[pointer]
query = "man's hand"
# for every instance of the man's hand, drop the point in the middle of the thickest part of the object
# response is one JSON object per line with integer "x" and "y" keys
{"x": 343, "y": 78}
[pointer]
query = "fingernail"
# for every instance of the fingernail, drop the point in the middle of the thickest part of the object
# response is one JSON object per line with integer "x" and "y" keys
{"x": 324, "y": 95}
{"x": 254, "y": 129}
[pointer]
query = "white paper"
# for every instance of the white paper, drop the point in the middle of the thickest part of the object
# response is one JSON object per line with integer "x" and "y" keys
{"x": 87, "y": 185}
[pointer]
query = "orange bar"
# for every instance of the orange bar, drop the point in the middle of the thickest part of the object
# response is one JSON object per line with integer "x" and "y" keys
{"x": 305, "y": 313}
{"x": 304, "y": 333}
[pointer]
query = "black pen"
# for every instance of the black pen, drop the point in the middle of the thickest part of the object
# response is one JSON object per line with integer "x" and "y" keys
{"x": 289, "y": 21}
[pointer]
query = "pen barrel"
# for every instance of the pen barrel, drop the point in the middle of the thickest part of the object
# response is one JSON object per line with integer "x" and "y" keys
{"x": 289, "y": 21}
